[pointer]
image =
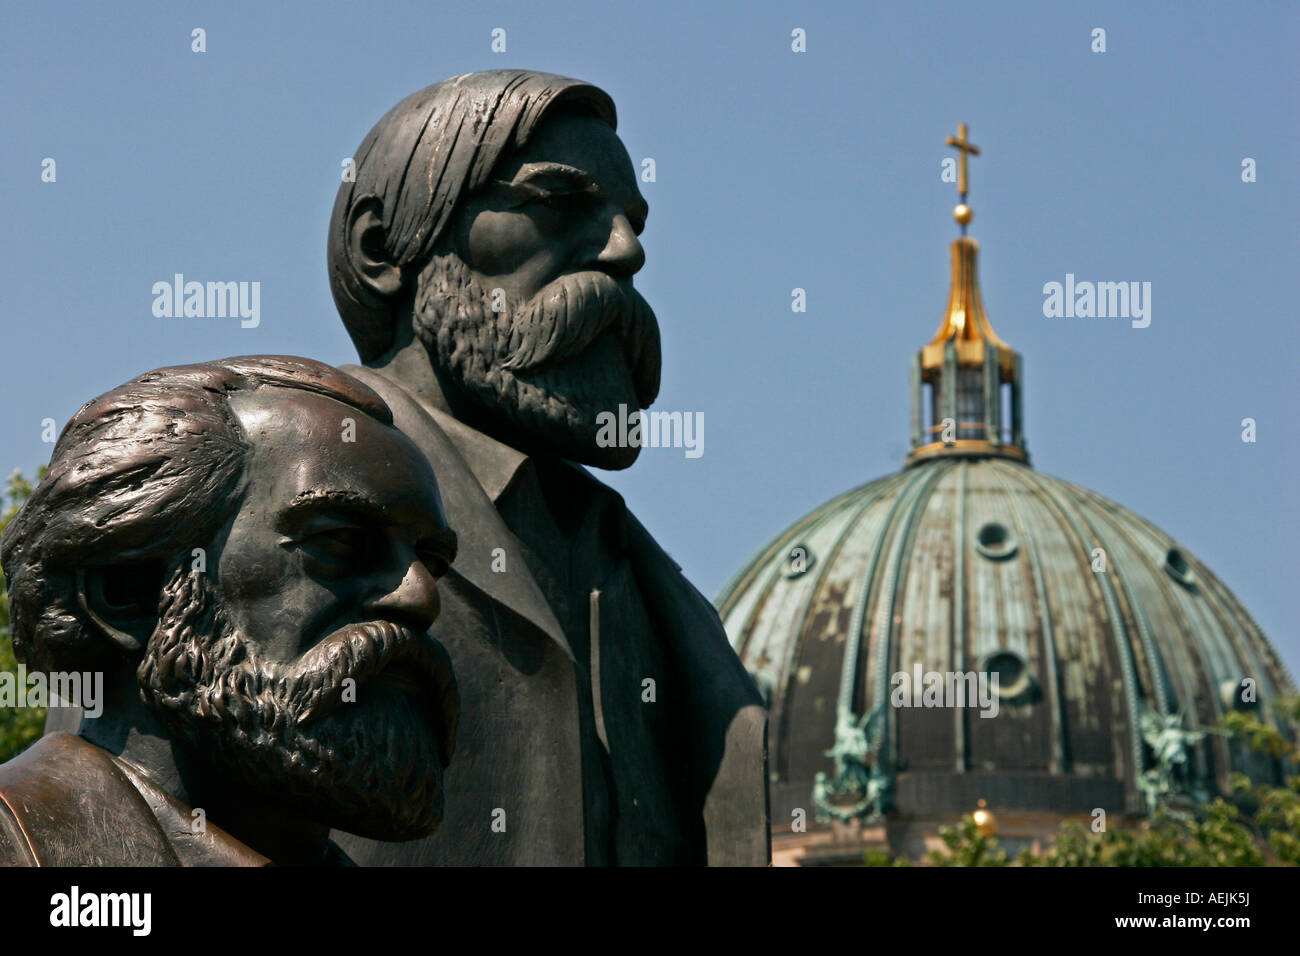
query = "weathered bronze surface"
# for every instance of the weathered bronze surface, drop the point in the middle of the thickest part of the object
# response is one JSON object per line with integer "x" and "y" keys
{"x": 482, "y": 261}
{"x": 222, "y": 543}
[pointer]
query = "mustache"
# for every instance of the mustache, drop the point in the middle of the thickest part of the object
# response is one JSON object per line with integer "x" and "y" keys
{"x": 363, "y": 652}
{"x": 572, "y": 312}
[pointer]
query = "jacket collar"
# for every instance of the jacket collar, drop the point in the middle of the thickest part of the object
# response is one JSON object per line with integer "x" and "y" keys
{"x": 495, "y": 465}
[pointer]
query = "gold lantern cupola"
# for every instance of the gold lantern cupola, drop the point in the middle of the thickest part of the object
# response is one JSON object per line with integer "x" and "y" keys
{"x": 966, "y": 382}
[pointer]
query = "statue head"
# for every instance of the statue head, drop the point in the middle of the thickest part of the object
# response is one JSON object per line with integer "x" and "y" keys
{"x": 494, "y": 218}
{"x": 250, "y": 550}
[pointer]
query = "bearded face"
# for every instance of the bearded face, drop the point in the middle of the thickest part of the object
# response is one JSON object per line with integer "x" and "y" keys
{"x": 537, "y": 374}
{"x": 355, "y": 733}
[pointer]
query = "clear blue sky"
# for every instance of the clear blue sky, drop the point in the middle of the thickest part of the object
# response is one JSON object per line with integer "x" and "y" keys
{"x": 775, "y": 170}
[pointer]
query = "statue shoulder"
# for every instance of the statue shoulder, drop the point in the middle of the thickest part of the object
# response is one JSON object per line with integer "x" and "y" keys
{"x": 65, "y": 803}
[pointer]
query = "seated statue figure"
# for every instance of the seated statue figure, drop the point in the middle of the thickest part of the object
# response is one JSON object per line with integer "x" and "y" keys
{"x": 248, "y": 551}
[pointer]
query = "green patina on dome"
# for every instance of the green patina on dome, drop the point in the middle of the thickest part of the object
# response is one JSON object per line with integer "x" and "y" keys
{"x": 969, "y": 564}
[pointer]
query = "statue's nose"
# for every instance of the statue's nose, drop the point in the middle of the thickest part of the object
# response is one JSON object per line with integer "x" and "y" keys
{"x": 623, "y": 253}
{"x": 414, "y": 600}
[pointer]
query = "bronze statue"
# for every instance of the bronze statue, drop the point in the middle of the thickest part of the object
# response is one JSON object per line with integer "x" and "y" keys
{"x": 482, "y": 261}
{"x": 247, "y": 549}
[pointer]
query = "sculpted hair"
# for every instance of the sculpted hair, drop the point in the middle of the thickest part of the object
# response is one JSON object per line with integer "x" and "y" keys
{"x": 427, "y": 153}
{"x": 139, "y": 477}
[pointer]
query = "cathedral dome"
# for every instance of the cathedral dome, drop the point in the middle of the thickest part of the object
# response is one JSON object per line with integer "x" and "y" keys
{"x": 970, "y": 631}
{"x": 1094, "y": 620}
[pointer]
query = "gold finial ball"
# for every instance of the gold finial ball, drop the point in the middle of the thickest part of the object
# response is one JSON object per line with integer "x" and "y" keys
{"x": 986, "y": 824}
{"x": 962, "y": 213}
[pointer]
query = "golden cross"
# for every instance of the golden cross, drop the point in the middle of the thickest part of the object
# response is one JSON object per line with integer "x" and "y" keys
{"x": 964, "y": 146}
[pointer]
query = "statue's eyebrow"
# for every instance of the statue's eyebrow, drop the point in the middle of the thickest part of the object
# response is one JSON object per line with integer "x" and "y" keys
{"x": 531, "y": 171}
{"x": 318, "y": 500}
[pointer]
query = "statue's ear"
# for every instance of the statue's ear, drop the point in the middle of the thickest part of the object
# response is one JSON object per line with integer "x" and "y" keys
{"x": 122, "y": 601}
{"x": 367, "y": 245}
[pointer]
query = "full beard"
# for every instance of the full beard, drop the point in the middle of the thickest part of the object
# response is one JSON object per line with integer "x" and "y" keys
{"x": 537, "y": 376}
{"x": 284, "y": 731}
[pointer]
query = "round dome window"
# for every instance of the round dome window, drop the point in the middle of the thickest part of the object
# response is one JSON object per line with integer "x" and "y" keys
{"x": 994, "y": 541}
{"x": 1012, "y": 672}
{"x": 1177, "y": 567}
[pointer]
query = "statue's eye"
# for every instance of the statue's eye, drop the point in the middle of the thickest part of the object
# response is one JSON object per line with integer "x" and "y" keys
{"x": 334, "y": 543}
{"x": 555, "y": 189}
{"x": 562, "y": 202}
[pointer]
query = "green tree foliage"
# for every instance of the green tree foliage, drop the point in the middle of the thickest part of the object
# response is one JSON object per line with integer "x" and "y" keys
{"x": 876, "y": 857}
{"x": 19, "y": 726}
{"x": 1274, "y": 810}
{"x": 968, "y": 847}
{"x": 1219, "y": 836}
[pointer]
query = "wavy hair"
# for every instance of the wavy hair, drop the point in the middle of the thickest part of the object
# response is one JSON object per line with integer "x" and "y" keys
{"x": 139, "y": 477}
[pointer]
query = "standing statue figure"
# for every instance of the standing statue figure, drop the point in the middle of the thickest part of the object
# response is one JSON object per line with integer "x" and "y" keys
{"x": 861, "y": 788}
{"x": 1168, "y": 742}
{"x": 482, "y": 261}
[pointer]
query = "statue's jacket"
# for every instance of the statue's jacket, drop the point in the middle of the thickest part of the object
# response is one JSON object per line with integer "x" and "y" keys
{"x": 66, "y": 802}
{"x": 515, "y": 789}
